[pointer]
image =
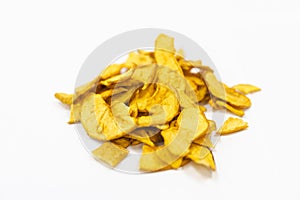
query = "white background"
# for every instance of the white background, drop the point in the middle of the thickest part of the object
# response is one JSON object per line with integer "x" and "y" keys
{"x": 42, "y": 46}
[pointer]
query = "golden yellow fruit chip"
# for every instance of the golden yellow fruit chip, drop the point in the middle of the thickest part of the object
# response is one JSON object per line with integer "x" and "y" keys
{"x": 236, "y": 111}
{"x": 110, "y": 153}
{"x": 202, "y": 155}
{"x": 64, "y": 98}
{"x": 120, "y": 114}
{"x": 98, "y": 120}
{"x": 162, "y": 106}
{"x": 178, "y": 139}
{"x": 191, "y": 125}
{"x": 164, "y": 43}
{"x": 237, "y": 99}
{"x": 218, "y": 90}
{"x": 232, "y": 125}
{"x": 246, "y": 88}
{"x": 165, "y": 53}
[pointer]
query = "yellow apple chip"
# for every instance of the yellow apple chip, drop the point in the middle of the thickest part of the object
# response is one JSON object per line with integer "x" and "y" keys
{"x": 229, "y": 95}
{"x": 238, "y": 112}
{"x": 202, "y": 155}
{"x": 165, "y": 53}
{"x": 232, "y": 125}
{"x": 64, "y": 98}
{"x": 110, "y": 153}
{"x": 98, "y": 120}
{"x": 246, "y": 88}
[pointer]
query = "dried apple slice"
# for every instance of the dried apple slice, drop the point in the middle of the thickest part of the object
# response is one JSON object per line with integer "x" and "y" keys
{"x": 202, "y": 155}
{"x": 165, "y": 53}
{"x": 218, "y": 90}
{"x": 64, "y": 98}
{"x": 232, "y": 125}
{"x": 98, "y": 120}
{"x": 246, "y": 88}
{"x": 236, "y": 111}
{"x": 110, "y": 153}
